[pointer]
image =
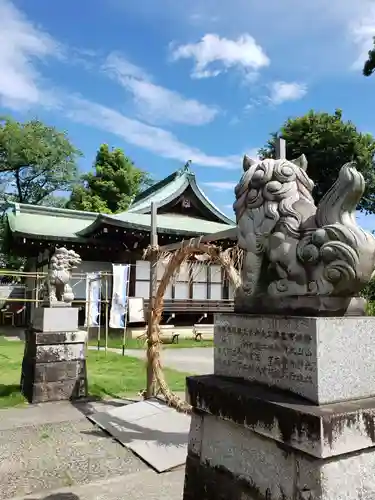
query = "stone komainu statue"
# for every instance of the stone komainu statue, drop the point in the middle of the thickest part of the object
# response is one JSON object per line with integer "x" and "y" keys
{"x": 300, "y": 258}
{"x": 56, "y": 289}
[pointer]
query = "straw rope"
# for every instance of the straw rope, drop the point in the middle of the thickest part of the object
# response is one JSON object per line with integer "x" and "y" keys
{"x": 227, "y": 259}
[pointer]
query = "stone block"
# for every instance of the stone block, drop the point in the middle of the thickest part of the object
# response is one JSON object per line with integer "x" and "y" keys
{"x": 59, "y": 319}
{"x": 320, "y": 431}
{"x": 237, "y": 464}
{"x": 42, "y": 382}
{"x": 57, "y": 372}
{"x": 56, "y": 338}
{"x": 308, "y": 356}
{"x": 59, "y": 352}
{"x": 249, "y": 446}
{"x": 67, "y": 389}
{"x": 195, "y": 434}
{"x": 54, "y": 365}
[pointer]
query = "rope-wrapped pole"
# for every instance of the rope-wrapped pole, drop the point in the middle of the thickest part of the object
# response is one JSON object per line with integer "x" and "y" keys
{"x": 152, "y": 337}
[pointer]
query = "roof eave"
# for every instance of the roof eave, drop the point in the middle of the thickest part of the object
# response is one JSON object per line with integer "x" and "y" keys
{"x": 166, "y": 200}
{"x": 48, "y": 237}
{"x": 144, "y": 195}
{"x": 208, "y": 204}
{"x": 146, "y": 228}
{"x": 37, "y": 209}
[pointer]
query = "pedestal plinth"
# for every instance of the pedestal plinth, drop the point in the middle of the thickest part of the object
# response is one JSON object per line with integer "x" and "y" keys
{"x": 54, "y": 364}
{"x": 321, "y": 359}
{"x": 268, "y": 427}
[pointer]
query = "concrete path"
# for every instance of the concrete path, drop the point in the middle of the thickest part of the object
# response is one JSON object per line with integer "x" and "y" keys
{"x": 195, "y": 360}
{"x": 52, "y": 451}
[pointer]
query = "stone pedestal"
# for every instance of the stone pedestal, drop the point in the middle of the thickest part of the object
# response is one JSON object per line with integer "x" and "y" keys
{"x": 54, "y": 364}
{"x": 289, "y": 413}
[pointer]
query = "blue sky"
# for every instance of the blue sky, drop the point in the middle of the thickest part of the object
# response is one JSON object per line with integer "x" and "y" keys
{"x": 170, "y": 81}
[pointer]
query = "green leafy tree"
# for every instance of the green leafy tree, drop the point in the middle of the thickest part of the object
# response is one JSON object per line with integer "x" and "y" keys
{"x": 369, "y": 66}
{"x": 328, "y": 143}
{"x": 111, "y": 186}
{"x": 36, "y": 161}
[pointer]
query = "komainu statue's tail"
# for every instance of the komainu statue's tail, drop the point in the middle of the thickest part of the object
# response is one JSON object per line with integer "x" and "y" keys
{"x": 348, "y": 252}
{"x": 339, "y": 204}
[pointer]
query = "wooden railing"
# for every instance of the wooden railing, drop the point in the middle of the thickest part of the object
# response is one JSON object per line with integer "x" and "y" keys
{"x": 182, "y": 305}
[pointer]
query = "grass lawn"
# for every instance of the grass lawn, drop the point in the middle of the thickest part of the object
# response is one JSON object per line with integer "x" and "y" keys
{"x": 116, "y": 342}
{"x": 112, "y": 376}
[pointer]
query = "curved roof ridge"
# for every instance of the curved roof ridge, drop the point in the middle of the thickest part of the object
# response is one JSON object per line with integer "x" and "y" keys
{"x": 200, "y": 193}
{"x": 155, "y": 187}
{"x": 162, "y": 191}
{"x": 170, "y": 188}
{"x": 46, "y": 210}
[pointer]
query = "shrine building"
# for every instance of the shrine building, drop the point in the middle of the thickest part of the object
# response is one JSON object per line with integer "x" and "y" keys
{"x": 183, "y": 212}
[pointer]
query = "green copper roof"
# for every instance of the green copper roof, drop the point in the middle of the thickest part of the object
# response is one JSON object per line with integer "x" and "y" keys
{"x": 155, "y": 187}
{"x": 60, "y": 224}
{"x": 171, "y": 188}
{"x": 31, "y": 220}
{"x": 168, "y": 223}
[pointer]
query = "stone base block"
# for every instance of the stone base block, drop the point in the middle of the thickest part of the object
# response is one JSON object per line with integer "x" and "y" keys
{"x": 55, "y": 319}
{"x": 54, "y": 366}
{"x": 242, "y": 446}
{"x": 308, "y": 356}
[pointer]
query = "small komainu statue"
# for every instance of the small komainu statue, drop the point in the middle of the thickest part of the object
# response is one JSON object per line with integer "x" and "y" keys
{"x": 299, "y": 258}
{"x": 56, "y": 289}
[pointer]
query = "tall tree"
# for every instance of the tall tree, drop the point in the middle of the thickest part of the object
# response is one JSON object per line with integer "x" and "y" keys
{"x": 35, "y": 161}
{"x": 328, "y": 143}
{"x": 112, "y": 184}
{"x": 369, "y": 66}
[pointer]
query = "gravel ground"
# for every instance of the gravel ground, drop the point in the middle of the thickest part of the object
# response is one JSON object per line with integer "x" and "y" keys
{"x": 53, "y": 452}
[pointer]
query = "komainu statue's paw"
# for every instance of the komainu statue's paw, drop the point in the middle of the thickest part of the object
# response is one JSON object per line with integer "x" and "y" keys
{"x": 286, "y": 287}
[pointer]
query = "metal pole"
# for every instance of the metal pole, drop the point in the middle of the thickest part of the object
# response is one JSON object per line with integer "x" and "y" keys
{"x": 150, "y": 388}
{"x": 126, "y": 311}
{"x": 87, "y": 306}
{"x": 99, "y": 317}
{"x": 106, "y": 314}
{"x": 37, "y": 291}
{"x": 280, "y": 148}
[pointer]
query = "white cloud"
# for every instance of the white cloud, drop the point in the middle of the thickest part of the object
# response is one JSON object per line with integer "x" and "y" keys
{"x": 154, "y": 139}
{"x": 222, "y": 53}
{"x": 21, "y": 45}
{"x": 362, "y": 32}
{"x": 283, "y": 91}
{"x": 219, "y": 186}
{"x": 312, "y": 38}
{"x": 123, "y": 69}
{"x": 155, "y": 103}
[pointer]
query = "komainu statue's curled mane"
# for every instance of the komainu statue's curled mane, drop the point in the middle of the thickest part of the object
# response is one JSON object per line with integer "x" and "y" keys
{"x": 293, "y": 248}
{"x": 56, "y": 289}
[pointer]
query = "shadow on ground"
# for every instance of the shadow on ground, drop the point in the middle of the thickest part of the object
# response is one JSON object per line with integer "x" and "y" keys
{"x": 130, "y": 431}
{"x": 91, "y": 405}
{"x": 58, "y": 496}
{"x": 8, "y": 390}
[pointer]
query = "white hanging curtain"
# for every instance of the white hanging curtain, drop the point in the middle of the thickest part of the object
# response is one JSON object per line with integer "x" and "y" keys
{"x": 120, "y": 288}
{"x": 93, "y": 288}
